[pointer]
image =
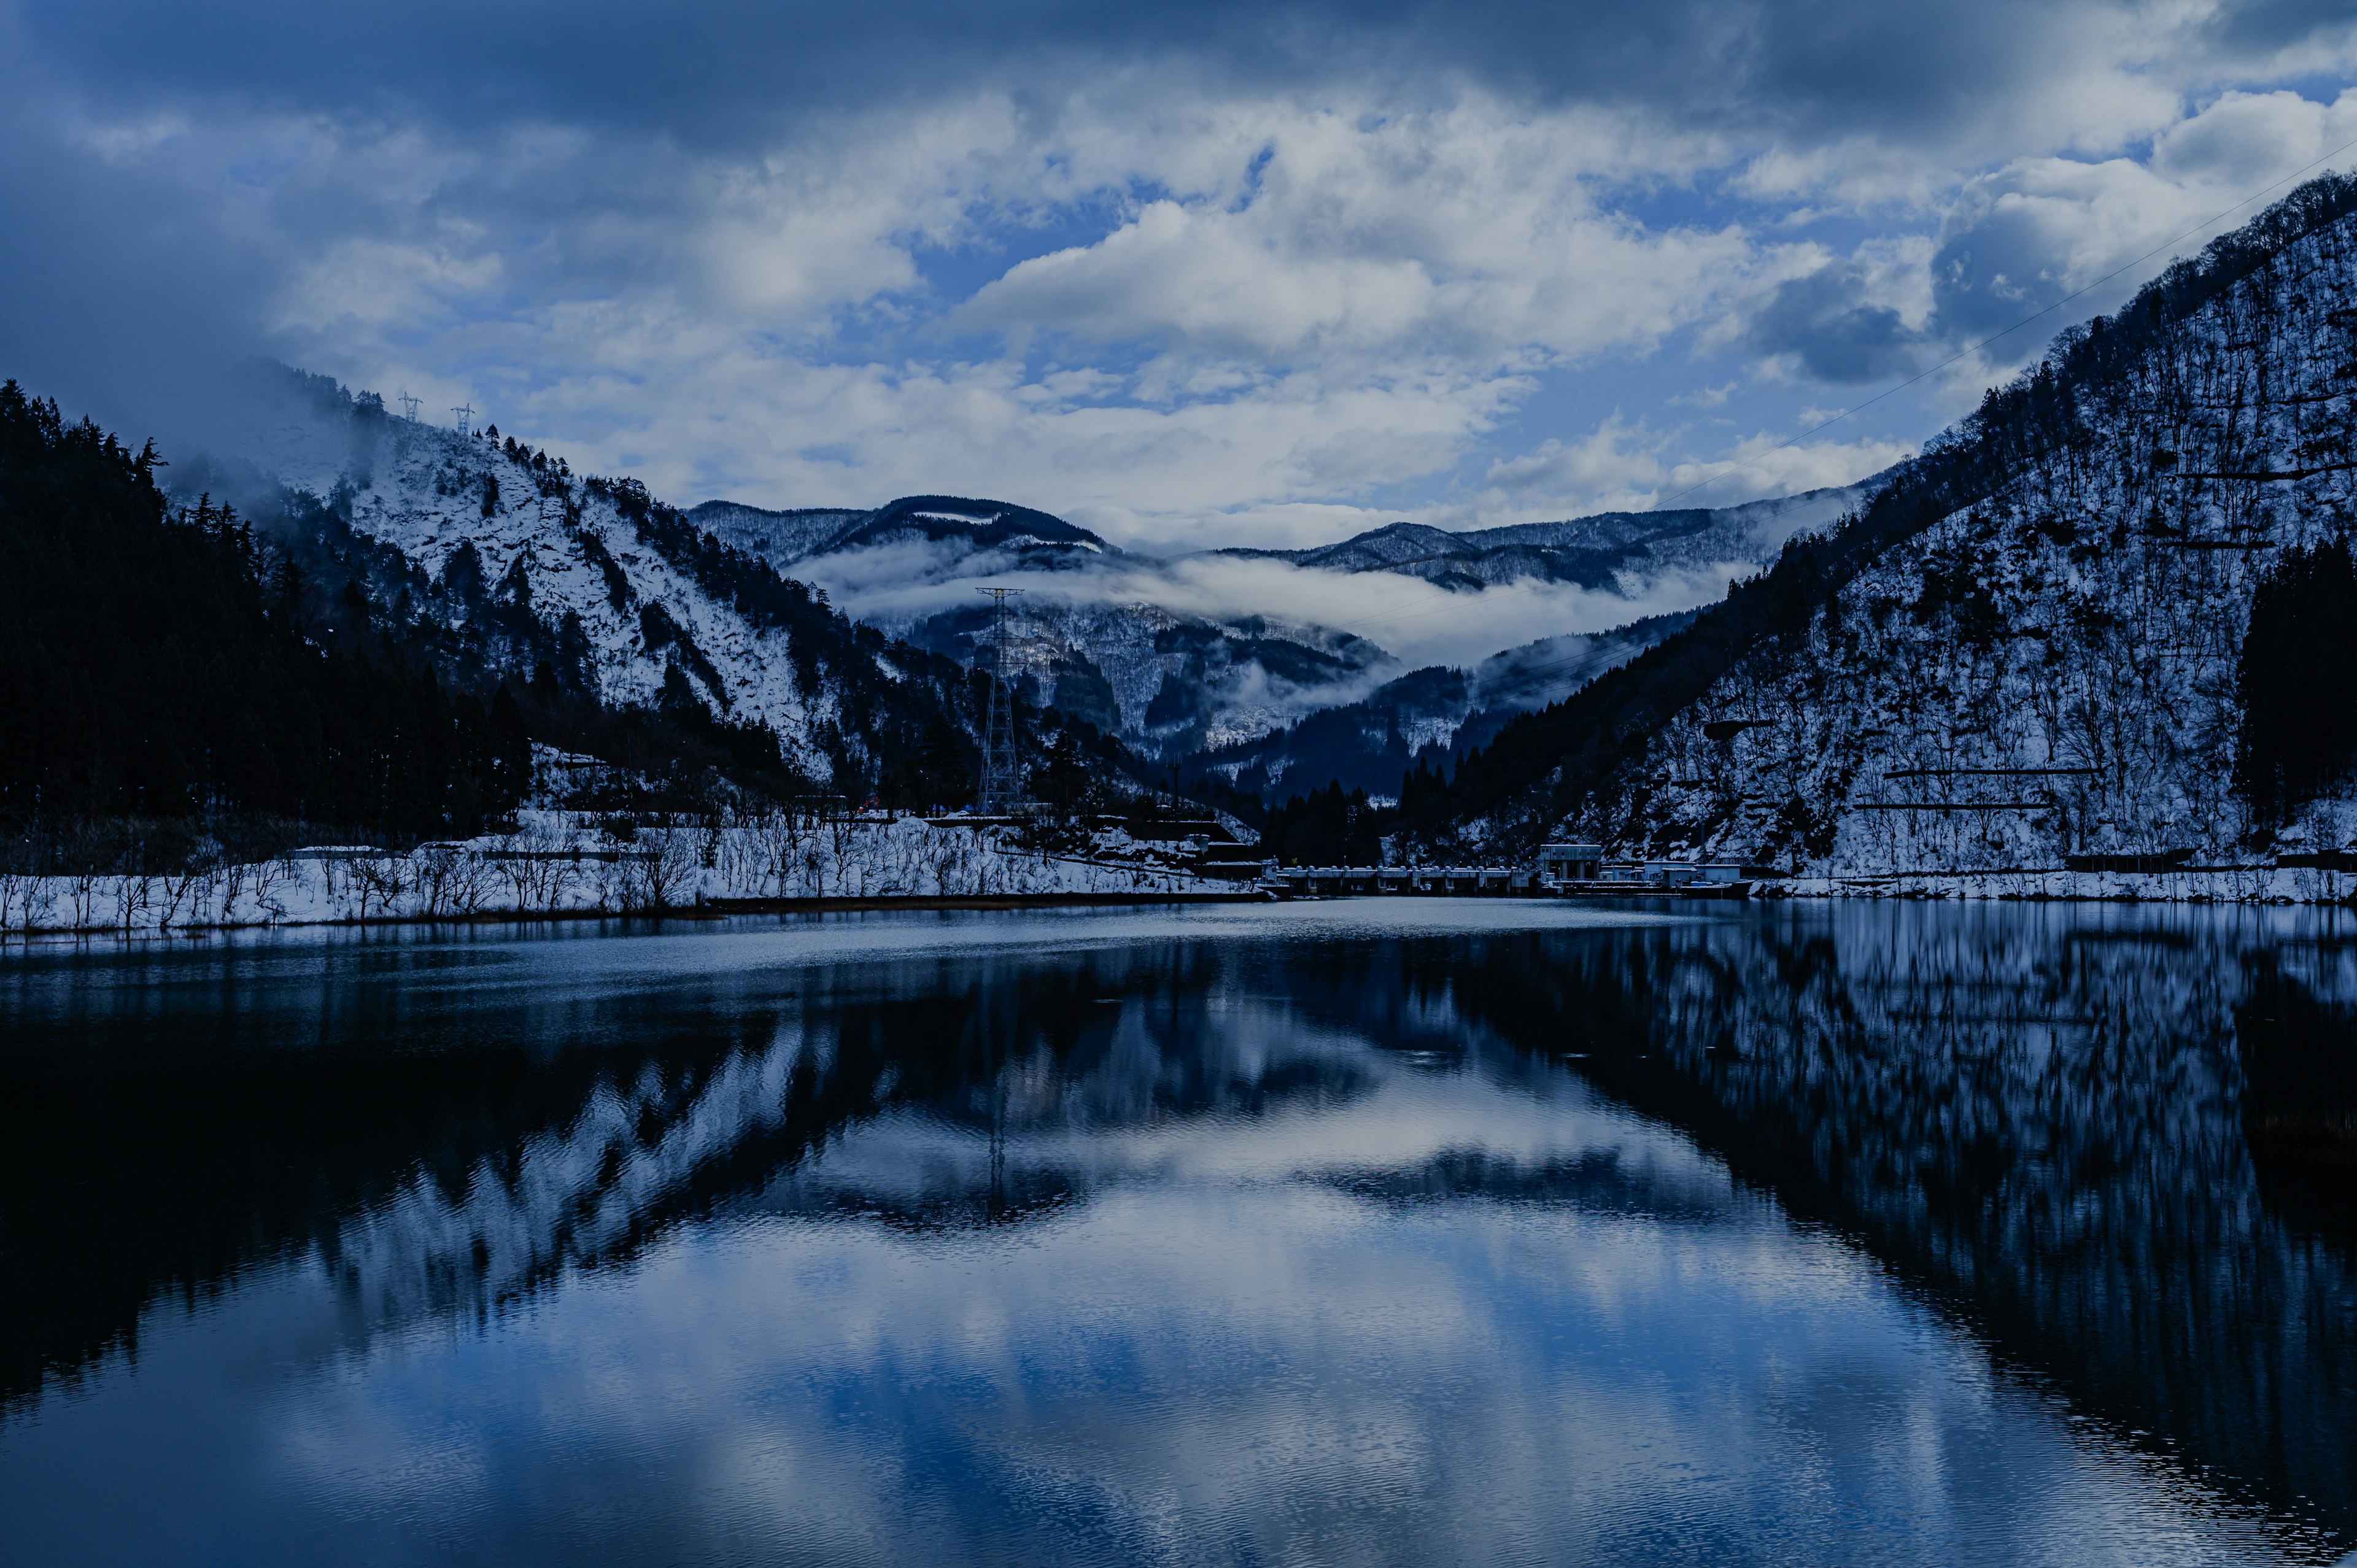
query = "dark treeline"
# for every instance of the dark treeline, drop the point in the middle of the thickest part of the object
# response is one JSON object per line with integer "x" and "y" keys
{"x": 154, "y": 664}
{"x": 2298, "y": 680}
{"x": 180, "y": 677}
{"x": 1326, "y": 827}
{"x": 1544, "y": 765}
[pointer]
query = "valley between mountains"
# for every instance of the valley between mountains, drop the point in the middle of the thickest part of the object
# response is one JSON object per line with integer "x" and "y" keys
{"x": 2108, "y": 622}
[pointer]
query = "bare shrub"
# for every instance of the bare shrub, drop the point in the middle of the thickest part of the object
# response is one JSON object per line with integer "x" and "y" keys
{"x": 535, "y": 868}
{"x": 228, "y": 888}
{"x": 187, "y": 885}
{"x": 274, "y": 880}
{"x": 378, "y": 879}
{"x": 450, "y": 880}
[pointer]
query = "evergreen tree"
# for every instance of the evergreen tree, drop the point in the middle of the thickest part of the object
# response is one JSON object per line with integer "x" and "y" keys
{"x": 2298, "y": 681}
{"x": 152, "y": 665}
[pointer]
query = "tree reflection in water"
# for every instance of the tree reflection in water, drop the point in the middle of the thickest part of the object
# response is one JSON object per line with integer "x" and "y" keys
{"x": 2043, "y": 1120}
{"x": 2035, "y": 1115}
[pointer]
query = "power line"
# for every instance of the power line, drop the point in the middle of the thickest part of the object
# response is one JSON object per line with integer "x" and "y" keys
{"x": 1002, "y": 785}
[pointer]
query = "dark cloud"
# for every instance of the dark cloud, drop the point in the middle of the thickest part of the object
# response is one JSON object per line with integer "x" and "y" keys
{"x": 629, "y": 211}
{"x": 1824, "y": 321}
{"x": 708, "y": 70}
{"x": 2263, "y": 25}
{"x": 122, "y": 291}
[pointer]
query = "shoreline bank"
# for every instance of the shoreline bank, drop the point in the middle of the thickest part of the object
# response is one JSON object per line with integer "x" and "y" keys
{"x": 709, "y": 911}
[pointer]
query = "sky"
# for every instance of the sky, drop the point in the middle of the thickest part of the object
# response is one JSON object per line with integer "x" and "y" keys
{"x": 1190, "y": 274}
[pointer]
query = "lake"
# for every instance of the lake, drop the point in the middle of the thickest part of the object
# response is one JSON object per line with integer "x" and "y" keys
{"x": 1392, "y": 1231}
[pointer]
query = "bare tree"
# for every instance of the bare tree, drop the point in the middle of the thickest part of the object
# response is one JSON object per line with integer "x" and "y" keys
{"x": 229, "y": 886}
{"x": 132, "y": 896}
{"x": 449, "y": 881}
{"x": 272, "y": 881}
{"x": 185, "y": 885}
{"x": 382, "y": 878}
{"x": 531, "y": 862}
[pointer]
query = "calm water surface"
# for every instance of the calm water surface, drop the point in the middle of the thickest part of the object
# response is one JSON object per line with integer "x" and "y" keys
{"x": 1389, "y": 1231}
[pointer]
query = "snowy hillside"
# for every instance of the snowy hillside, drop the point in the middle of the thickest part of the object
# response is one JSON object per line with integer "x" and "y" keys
{"x": 1092, "y": 629}
{"x": 517, "y": 562}
{"x": 1127, "y": 641}
{"x": 1011, "y": 535}
{"x": 2050, "y": 667}
{"x": 1430, "y": 716}
{"x": 1623, "y": 550}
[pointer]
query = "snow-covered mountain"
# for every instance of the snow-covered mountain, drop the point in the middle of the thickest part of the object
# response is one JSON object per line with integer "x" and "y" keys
{"x": 1430, "y": 716}
{"x": 515, "y": 565}
{"x": 1127, "y": 641}
{"x": 514, "y": 562}
{"x": 1624, "y": 551}
{"x": 1093, "y": 628}
{"x": 2033, "y": 645}
{"x": 1010, "y": 535}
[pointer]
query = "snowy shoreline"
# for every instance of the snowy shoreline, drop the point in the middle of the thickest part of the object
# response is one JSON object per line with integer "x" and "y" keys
{"x": 549, "y": 872}
{"x": 2215, "y": 885}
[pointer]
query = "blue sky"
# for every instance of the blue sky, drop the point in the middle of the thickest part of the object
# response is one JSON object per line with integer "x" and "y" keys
{"x": 1200, "y": 274}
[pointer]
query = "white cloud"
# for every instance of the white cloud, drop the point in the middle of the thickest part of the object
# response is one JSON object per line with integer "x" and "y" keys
{"x": 2039, "y": 229}
{"x": 1470, "y": 232}
{"x": 1621, "y": 467}
{"x": 1269, "y": 315}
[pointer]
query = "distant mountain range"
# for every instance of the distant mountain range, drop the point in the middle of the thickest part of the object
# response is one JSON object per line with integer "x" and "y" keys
{"x": 1430, "y": 717}
{"x": 513, "y": 561}
{"x": 786, "y": 538}
{"x": 1107, "y": 637}
{"x": 1620, "y": 550}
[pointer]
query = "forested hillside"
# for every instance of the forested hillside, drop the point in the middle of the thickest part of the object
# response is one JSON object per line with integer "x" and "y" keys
{"x": 154, "y": 664}
{"x": 506, "y": 561}
{"x": 376, "y": 652}
{"x": 2105, "y": 615}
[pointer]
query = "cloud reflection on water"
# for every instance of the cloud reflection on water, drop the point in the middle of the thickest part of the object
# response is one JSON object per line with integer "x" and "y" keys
{"x": 1267, "y": 1236}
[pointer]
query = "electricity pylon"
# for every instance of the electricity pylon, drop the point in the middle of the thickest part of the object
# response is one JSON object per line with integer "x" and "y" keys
{"x": 1002, "y": 778}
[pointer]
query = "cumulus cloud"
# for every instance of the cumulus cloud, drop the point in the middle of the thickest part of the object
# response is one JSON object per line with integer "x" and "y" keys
{"x": 1624, "y": 466}
{"x": 2026, "y": 235}
{"x": 1472, "y": 233}
{"x": 1220, "y": 272}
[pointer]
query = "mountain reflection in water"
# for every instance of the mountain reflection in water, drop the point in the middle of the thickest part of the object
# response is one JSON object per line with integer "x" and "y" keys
{"x": 1357, "y": 1233}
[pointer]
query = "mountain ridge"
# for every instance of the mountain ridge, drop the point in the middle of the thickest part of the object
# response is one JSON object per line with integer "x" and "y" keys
{"x": 2031, "y": 644}
{"x": 1595, "y": 551}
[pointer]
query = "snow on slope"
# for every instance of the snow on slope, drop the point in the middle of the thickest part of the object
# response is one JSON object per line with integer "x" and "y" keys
{"x": 576, "y": 551}
{"x": 1097, "y": 630}
{"x": 1626, "y": 552}
{"x": 1223, "y": 647}
{"x": 527, "y": 873}
{"x": 2051, "y": 671}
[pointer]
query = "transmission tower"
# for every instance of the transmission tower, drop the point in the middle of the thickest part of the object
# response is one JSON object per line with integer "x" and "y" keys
{"x": 408, "y": 406}
{"x": 466, "y": 416}
{"x": 1002, "y": 780}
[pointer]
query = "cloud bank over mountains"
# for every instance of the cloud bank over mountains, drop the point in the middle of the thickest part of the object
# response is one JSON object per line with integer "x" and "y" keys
{"x": 1214, "y": 274}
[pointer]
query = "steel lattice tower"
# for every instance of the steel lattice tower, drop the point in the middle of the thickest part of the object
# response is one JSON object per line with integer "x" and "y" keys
{"x": 1002, "y": 780}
